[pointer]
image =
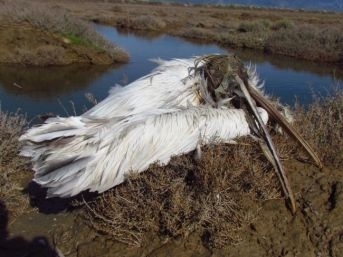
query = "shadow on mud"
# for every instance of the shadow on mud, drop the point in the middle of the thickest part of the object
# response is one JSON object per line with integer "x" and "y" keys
{"x": 18, "y": 246}
{"x": 53, "y": 205}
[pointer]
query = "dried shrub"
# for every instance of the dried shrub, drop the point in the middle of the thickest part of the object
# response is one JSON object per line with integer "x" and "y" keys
{"x": 282, "y": 24}
{"x": 202, "y": 34}
{"x": 143, "y": 22}
{"x": 210, "y": 197}
{"x": 43, "y": 55}
{"x": 322, "y": 125}
{"x": 117, "y": 8}
{"x": 307, "y": 42}
{"x": 257, "y": 26}
{"x": 11, "y": 166}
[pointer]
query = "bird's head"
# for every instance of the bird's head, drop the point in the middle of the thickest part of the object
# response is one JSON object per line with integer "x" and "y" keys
{"x": 227, "y": 81}
{"x": 220, "y": 73}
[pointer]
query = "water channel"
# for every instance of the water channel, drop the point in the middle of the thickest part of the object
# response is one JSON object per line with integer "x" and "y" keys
{"x": 61, "y": 90}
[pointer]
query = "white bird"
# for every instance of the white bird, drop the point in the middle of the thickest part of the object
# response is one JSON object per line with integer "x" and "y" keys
{"x": 181, "y": 105}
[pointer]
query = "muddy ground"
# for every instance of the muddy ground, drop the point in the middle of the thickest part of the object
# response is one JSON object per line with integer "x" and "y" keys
{"x": 48, "y": 226}
{"x": 44, "y": 227}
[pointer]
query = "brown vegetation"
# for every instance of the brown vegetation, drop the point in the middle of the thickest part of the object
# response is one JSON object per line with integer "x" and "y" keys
{"x": 32, "y": 34}
{"x": 184, "y": 197}
{"x": 322, "y": 126}
{"x": 307, "y": 42}
{"x": 220, "y": 197}
{"x": 11, "y": 165}
{"x": 306, "y": 35}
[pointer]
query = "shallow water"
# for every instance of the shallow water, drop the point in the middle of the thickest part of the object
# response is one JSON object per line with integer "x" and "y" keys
{"x": 319, "y": 5}
{"x": 61, "y": 90}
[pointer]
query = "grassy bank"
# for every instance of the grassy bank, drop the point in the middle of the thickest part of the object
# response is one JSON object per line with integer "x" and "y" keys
{"x": 32, "y": 34}
{"x": 312, "y": 36}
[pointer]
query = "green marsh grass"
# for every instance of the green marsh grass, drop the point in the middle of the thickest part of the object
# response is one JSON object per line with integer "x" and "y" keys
{"x": 59, "y": 21}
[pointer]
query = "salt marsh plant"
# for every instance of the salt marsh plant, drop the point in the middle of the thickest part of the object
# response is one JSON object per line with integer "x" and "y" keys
{"x": 58, "y": 21}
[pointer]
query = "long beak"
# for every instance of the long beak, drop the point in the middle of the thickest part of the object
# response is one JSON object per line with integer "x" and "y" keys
{"x": 269, "y": 146}
{"x": 264, "y": 103}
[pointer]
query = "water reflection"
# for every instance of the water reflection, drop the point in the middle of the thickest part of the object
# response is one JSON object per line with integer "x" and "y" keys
{"x": 289, "y": 79}
{"x": 48, "y": 83}
{"x": 294, "y": 81}
{"x": 53, "y": 90}
{"x": 284, "y": 62}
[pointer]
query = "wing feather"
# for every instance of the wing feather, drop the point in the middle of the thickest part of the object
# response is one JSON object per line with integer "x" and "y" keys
{"x": 105, "y": 164}
{"x": 168, "y": 86}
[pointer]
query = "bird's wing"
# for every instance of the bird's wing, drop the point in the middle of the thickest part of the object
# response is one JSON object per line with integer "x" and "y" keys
{"x": 102, "y": 159}
{"x": 168, "y": 86}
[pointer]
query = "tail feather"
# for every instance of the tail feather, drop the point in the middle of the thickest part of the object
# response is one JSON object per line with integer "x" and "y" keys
{"x": 59, "y": 175}
{"x": 65, "y": 189}
{"x": 54, "y": 128}
{"x": 45, "y": 167}
{"x": 60, "y": 152}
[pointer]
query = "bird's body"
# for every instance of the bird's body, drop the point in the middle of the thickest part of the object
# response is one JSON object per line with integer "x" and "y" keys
{"x": 97, "y": 158}
{"x": 182, "y": 104}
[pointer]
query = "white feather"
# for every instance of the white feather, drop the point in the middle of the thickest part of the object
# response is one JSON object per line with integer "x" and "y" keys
{"x": 150, "y": 120}
{"x": 105, "y": 164}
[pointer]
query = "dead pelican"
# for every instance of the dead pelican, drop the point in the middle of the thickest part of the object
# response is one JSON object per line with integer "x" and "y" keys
{"x": 179, "y": 106}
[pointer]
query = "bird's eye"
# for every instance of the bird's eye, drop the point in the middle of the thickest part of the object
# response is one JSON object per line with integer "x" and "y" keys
{"x": 233, "y": 84}
{"x": 229, "y": 85}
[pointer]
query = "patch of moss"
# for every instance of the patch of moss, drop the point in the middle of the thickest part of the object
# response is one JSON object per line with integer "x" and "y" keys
{"x": 77, "y": 40}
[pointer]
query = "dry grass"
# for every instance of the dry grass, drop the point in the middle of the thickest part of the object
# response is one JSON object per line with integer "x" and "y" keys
{"x": 41, "y": 56}
{"x": 257, "y": 27}
{"x": 143, "y": 22}
{"x": 217, "y": 197}
{"x": 11, "y": 165}
{"x": 322, "y": 126}
{"x": 306, "y": 42}
{"x": 210, "y": 197}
